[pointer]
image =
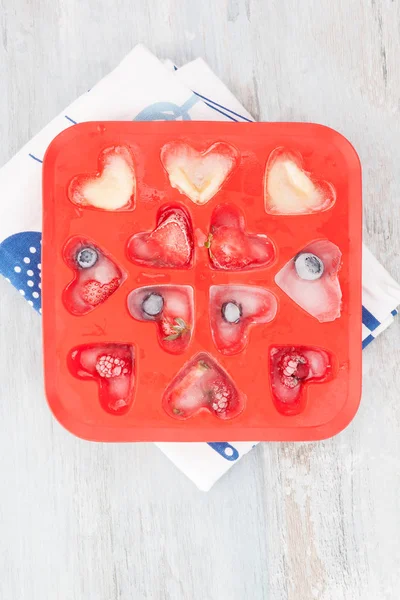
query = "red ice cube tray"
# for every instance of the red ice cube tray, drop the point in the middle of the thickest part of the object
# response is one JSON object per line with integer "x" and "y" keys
{"x": 95, "y": 351}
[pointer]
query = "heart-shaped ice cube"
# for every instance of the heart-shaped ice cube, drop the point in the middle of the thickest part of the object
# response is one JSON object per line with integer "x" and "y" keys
{"x": 113, "y": 187}
{"x": 231, "y": 247}
{"x": 291, "y": 368}
{"x": 234, "y": 309}
{"x": 199, "y": 175}
{"x": 311, "y": 279}
{"x": 202, "y": 385}
{"x": 290, "y": 190}
{"x": 96, "y": 276}
{"x": 170, "y": 308}
{"x": 113, "y": 367}
{"x": 170, "y": 244}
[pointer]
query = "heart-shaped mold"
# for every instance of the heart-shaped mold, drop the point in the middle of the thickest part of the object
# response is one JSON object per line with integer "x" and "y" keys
{"x": 202, "y": 385}
{"x": 170, "y": 307}
{"x": 96, "y": 278}
{"x": 113, "y": 187}
{"x": 291, "y": 367}
{"x": 170, "y": 244}
{"x": 234, "y": 309}
{"x": 199, "y": 175}
{"x": 112, "y": 366}
{"x": 230, "y": 247}
{"x": 311, "y": 280}
{"x": 290, "y": 190}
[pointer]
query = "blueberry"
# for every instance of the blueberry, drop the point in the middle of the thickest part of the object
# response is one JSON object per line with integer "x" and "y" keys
{"x": 153, "y": 304}
{"x": 308, "y": 266}
{"x": 231, "y": 312}
{"x": 87, "y": 257}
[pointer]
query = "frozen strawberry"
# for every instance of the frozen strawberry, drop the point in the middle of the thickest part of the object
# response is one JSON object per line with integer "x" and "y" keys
{"x": 113, "y": 367}
{"x": 169, "y": 245}
{"x": 234, "y": 309}
{"x": 97, "y": 276}
{"x": 203, "y": 385}
{"x": 170, "y": 307}
{"x": 230, "y": 247}
{"x": 291, "y": 367}
{"x": 94, "y": 293}
{"x": 311, "y": 280}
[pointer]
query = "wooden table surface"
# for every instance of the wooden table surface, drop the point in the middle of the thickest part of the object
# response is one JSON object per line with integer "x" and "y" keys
{"x": 81, "y": 521}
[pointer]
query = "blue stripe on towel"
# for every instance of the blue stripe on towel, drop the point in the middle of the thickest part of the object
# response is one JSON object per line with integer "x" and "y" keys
{"x": 35, "y": 158}
{"x": 208, "y": 100}
{"x": 370, "y": 338}
{"x": 69, "y": 119}
{"x": 369, "y": 320}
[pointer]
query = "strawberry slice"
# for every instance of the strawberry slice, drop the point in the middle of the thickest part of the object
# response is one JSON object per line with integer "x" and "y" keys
{"x": 291, "y": 367}
{"x": 231, "y": 248}
{"x": 169, "y": 245}
{"x": 94, "y": 293}
{"x": 174, "y": 333}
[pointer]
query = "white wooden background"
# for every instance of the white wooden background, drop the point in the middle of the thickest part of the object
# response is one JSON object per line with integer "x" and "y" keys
{"x": 81, "y": 521}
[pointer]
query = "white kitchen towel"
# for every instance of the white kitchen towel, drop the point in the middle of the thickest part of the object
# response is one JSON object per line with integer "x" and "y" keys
{"x": 143, "y": 88}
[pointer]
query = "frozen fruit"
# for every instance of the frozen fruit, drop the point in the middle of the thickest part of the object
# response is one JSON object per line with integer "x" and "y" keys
{"x": 96, "y": 276}
{"x": 203, "y": 385}
{"x": 173, "y": 328}
{"x": 231, "y": 312}
{"x": 153, "y": 304}
{"x": 308, "y": 266}
{"x": 87, "y": 257}
{"x": 230, "y": 247}
{"x": 95, "y": 293}
{"x": 199, "y": 175}
{"x": 311, "y": 280}
{"x": 290, "y": 190}
{"x": 291, "y": 367}
{"x": 234, "y": 309}
{"x": 170, "y": 307}
{"x": 169, "y": 245}
{"x": 113, "y": 187}
{"x": 112, "y": 366}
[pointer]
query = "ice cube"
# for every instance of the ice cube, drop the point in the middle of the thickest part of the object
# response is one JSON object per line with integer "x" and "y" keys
{"x": 96, "y": 276}
{"x": 202, "y": 384}
{"x": 289, "y": 190}
{"x": 112, "y": 366}
{"x": 290, "y": 368}
{"x": 170, "y": 244}
{"x": 231, "y": 247}
{"x": 175, "y": 319}
{"x": 112, "y": 188}
{"x": 199, "y": 175}
{"x": 247, "y": 306}
{"x": 320, "y": 297}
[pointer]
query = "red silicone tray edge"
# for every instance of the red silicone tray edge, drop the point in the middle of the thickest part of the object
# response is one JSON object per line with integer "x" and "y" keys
{"x": 234, "y": 433}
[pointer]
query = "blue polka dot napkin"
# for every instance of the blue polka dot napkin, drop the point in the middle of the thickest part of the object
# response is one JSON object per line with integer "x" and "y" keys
{"x": 192, "y": 92}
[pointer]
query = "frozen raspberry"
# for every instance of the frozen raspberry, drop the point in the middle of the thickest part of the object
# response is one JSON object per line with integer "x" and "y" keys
{"x": 110, "y": 366}
{"x": 294, "y": 367}
{"x": 220, "y": 396}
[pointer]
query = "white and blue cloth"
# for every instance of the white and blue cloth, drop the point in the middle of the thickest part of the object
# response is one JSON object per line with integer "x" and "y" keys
{"x": 144, "y": 88}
